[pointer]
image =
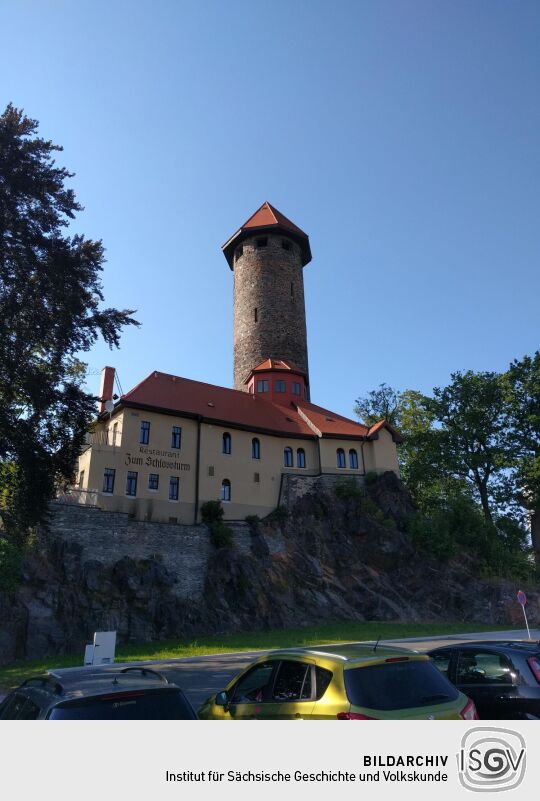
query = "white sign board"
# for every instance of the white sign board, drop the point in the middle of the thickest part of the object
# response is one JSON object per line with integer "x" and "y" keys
{"x": 102, "y": 650}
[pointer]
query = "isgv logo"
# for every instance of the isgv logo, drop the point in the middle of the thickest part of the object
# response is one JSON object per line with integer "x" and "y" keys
{"x": 491, "y": 760}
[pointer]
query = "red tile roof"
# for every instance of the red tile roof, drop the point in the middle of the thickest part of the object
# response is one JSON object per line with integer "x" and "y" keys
{"x": 174, "y": 395}
{"x": 267, "y": 218}
{"x": 275, "y": 364}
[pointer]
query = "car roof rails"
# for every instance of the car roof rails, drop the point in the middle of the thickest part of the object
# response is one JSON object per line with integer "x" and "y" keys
{"x": 144, "y": 671}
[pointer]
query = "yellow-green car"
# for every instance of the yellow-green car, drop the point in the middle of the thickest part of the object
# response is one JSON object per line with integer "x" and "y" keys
{"x": 346, "y": 682}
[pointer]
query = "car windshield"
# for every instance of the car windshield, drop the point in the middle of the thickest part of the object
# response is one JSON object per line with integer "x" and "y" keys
{"x": 137, "y": 705}
{"x": 398, "y": 685}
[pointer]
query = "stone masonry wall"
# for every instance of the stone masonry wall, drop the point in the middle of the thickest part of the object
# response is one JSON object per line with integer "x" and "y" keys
{"x": 294, "y": 487}
{"x": 270, "y": 280}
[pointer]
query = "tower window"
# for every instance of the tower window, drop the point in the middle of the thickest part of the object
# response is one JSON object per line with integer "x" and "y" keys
{"x": 226, "y": 444}
{"x": 296, "y": 388}
{"x": 340, "y": 454}
{"x": 288, "y": 457}
{"x": 285, "y": 244}
{"x": 226, "y": 490}
{"x": 280, "y": 386}
{"x": 131, "y": 483}
{"x": 262, "y": 386}
{"x": 176, "y": 437}
{"x": 300, "y": 457}
{"x": 144, "y": 438}
{"x": 353, "y": 460}
{"x": 255, "y": 448}
{"x": 174, "y": 485}
{"x": 262, "y": 241}
{"x": 255, "y": 314}
{"x": 108, "y": 480}
{"x": 239, "y": 252}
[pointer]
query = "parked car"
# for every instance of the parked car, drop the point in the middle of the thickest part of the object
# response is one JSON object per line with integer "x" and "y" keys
{"x": 350, "y": 682}
{"x": 502, "y": 677}
{"x": 90, "y": 694}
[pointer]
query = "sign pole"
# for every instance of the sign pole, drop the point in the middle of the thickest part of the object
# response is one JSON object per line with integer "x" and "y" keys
{"x": 522, "y": 598}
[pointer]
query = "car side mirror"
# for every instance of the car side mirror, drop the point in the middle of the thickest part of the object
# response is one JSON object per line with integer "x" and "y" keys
{"x": 222, "y": 699}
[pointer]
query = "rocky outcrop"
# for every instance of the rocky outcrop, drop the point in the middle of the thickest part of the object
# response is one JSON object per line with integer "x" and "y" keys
{"x": 330, "y": 557}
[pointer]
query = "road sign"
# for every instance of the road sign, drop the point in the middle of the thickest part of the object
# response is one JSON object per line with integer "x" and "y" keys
{"x": 522, "y": 598}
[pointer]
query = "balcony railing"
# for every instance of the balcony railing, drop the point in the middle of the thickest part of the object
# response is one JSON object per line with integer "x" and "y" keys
{"x": 73, "y": 496}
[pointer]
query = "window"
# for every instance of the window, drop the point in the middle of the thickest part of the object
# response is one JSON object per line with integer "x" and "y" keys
{"x": 226, "y": 490}
{"x": 131, "y": 482}
{"x": 340, "y": 457}
{"x": 108, "y": 480}
{"x": 262, "y": 241}
{"x": 280, "y": 386}
{"x": 239, "y": 252}
{"x": 292, "y": 290}
{"x": 296, "y": 388}
{"x": 300, "y": 457}
{"x": 255, "y": 449}
{"x": 153, "y": 481}
{"x": 144, "y": 438}
{"x": 442, "y": 661}
{"x": 253, "y": 686}
{"x": 114, "y": 434}
{"x": 293, "y": 682}
{"x": 226, "y": 444}
{"x": 81, "y": 479}
{"x": 257, "y": 478}
{"x": 397, "y": 685}
{"x": 285, "y": 245}
{"x": 287, "y": 457}
{"x": 262, "y": 386}
{"x": 322, "y": 680}
{"x": 176, "y": 437}
{"x": 255, "y": 314}
{"x": 210, "y": 469}
{"x": 483, "y": 667}
{"x": 174, "y": 486}
{"x": 353, "y": 459}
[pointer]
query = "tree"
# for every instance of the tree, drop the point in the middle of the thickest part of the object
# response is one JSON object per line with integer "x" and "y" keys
{"x": 379, "y": 404}
{"x": 522, "y": 382}
{"x": 50, "y": 310}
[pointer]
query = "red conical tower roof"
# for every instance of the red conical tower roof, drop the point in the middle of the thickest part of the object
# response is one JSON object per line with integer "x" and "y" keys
{"x": 267, "y": 218}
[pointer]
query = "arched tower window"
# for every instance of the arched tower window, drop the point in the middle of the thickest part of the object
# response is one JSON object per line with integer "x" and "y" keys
{"x": 353, "y": 459}
{"x": 288, "y": 457}
{"x": 226, "y": 443}
{"x": 255, "y": 448}
{"x": 300, "y": 457}
{"x": 340, "y": 453}
{"x": 225, "y": 490}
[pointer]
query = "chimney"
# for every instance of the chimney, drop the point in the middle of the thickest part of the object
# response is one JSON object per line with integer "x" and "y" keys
{"x": 106, "y": 387}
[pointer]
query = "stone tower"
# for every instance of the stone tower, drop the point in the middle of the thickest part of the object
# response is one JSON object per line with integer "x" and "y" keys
{"x": 267, "y": 256}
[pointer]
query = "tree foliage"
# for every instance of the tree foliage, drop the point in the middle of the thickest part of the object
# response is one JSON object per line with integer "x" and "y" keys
{"x": 50, "y": 311}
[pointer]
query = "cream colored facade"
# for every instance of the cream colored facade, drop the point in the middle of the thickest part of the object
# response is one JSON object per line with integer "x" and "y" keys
{"x": 201, "y": 466}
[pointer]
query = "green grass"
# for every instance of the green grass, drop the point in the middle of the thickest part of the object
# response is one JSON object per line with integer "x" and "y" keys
{"x": 13, "y": 674}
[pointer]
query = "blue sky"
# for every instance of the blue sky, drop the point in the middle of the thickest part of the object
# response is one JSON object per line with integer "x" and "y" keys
{"x": 403, "y": 136}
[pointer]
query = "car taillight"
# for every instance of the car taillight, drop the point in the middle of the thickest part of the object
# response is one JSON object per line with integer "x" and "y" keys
{"x": 353, "y": 716}
{"x": 469, "y": 711}
{"x": 534, "y": 664}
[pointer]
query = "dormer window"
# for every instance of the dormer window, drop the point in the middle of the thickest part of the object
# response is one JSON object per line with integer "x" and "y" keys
{"x": 262, "y": 242}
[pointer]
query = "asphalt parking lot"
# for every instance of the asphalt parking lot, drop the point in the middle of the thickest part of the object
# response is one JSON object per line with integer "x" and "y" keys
{"x": 202, "y": 676}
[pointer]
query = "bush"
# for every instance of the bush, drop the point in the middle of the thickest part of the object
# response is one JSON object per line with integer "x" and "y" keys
{"x": 212, "y": 512}
{"x": 371, "y": 477}
{"x": 221, "y": 536}
{"x": 11, "y": 558}
{"x": 348, "y": 489}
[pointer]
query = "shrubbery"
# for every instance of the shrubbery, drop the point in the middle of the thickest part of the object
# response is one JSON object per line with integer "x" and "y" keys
{"x": 11, "y": 558}
{"x": 221, "y": 536}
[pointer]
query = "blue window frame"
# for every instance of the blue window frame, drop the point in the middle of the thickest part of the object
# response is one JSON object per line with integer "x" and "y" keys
{"x": 226, "y": 490}
{"x": 255, "y": 448}
{"x": 176, "y": 437}
{"x": 340, "y": 454}
{"x": 144, "y": 438}
{"x": 108, "y": 479}
{"x": 262, "y": 385}
{"x": 226, "y": 443}
{"x": 153, "y": 481}
{"x": 288, "y": 457}
{"x": 353, "y": 459}
{"x": 296, "y": 388}
{"x": 280, "y": 386}
{"x": 174, "y": 486}
{"x": 300, "y": 457}
{"x": 131, "y": 483}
